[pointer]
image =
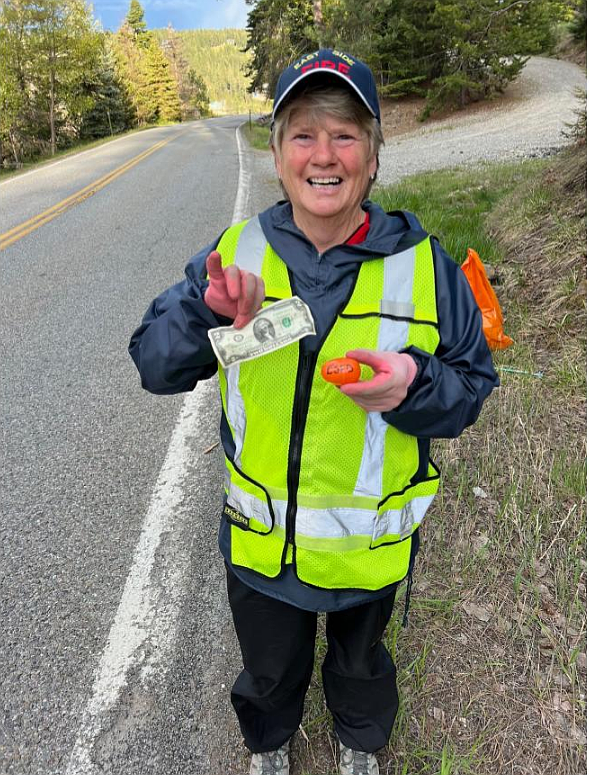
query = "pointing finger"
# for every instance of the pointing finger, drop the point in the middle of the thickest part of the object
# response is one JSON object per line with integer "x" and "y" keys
{"x": 259, "y": 295}
{"x": 248, "y": 291}
{"x": 214, "y": 266}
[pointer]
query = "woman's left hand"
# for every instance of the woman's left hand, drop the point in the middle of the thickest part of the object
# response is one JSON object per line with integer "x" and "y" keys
{"x": 393, "y": 373}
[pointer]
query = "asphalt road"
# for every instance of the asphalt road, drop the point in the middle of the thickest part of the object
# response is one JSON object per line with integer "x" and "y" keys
{"x": 82, "y": 448}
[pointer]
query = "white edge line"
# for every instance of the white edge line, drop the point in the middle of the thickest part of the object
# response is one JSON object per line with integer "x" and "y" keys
{"x": 240, "y": 210}
{"x": 134, "y": 621}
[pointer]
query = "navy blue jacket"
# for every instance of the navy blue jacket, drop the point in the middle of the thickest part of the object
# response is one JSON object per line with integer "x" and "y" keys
{"x": 172, "y": 351}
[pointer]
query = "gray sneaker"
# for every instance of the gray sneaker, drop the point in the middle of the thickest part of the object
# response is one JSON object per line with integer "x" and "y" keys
{"x": 356, "y": 762}
{"x": 271, "y": 763}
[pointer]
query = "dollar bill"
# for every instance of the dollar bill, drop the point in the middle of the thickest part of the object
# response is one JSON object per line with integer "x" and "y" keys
{"x": 273, "y": 327}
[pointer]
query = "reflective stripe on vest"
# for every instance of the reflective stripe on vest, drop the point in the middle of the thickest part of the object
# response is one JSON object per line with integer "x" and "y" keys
{"x": 357, "y": 490}
{"x": 398, "y": 523}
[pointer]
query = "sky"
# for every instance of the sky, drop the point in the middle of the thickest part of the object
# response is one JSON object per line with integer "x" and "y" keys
{"x": 184, "y": 14}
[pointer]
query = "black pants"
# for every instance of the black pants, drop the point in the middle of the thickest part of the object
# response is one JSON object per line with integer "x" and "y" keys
{"x": 277, "y": 643}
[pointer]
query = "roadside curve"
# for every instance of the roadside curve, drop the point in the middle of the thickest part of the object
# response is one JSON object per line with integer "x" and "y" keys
{"x": 528, "y": 121}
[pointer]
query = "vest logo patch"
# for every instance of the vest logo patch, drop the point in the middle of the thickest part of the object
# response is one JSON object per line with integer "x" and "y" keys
{"x": 236, "y": 516}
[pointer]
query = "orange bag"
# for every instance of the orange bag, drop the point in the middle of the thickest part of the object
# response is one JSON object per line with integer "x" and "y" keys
{"x": 485, "y": 297}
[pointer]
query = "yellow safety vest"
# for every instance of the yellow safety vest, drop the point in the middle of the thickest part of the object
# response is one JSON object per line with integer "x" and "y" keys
{"x": 314, "y": 479}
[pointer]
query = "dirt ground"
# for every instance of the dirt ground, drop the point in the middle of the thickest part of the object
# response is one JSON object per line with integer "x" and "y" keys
{"x": 400, "y": 117}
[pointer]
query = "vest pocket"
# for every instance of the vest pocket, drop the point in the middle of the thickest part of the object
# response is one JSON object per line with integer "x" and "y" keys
{"x": 400, "y": 513}
{"x": 393, "y": 526}
{"x": 257, "y": 542}
{"x": 249, "y": 506}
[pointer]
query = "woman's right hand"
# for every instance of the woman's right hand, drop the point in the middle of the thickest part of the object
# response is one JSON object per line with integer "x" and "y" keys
{"x": 233, "y": 292}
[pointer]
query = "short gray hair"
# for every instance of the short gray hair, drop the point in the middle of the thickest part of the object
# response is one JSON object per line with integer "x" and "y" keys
{"x": 337, "y": 101}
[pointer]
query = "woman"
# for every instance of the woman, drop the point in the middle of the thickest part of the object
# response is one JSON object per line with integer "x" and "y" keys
{"x": 325, "y": 486}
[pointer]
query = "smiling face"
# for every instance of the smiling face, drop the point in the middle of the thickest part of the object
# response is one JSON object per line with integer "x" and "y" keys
{"x": 325, "y": 164}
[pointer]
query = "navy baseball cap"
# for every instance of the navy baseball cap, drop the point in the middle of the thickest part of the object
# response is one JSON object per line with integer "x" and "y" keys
{"x": 328, "y": 62}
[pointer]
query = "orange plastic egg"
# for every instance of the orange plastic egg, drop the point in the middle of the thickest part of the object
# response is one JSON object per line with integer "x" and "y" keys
{"x": 341, "y": 371}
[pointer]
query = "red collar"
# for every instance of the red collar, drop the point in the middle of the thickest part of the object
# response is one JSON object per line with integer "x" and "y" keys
{"x": 360, "y": 234}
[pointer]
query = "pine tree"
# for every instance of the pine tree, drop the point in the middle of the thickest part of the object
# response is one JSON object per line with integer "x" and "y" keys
{"x": 486, "y": 44}
{"x": 112, "y": 111}
{"x": 135, "y": 19}
{"x": 394, "y": 37}
{"x": 197, "y": 95}
{"x": 132, "y": 71}
{"x": 278, "y": 31}
{"x": 145, "y": 72}
{"x": 163, "y": 84}
{"x": 192, "y": 89}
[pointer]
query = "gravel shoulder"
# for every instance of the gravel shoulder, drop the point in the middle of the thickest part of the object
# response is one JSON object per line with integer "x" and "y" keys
{"x": 527, "y": 121}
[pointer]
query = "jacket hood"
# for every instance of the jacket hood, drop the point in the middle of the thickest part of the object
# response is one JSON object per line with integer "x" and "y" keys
{"x": 389, "y": 233}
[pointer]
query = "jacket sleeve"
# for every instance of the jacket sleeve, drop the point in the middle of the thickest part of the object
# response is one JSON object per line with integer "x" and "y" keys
{"x": 450, "y": 386}
{"x": 171, "y": 348}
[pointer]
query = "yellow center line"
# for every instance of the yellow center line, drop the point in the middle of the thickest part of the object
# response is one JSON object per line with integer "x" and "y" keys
{"x": 20, "y": 231}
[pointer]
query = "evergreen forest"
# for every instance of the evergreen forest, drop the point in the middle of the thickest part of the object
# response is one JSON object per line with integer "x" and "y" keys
{"x": 63, "y": 80}
{"x": 219, "y": 58}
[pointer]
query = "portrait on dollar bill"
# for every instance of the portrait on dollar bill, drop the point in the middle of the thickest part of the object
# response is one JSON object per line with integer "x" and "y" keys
{"x": 264, "y": 330}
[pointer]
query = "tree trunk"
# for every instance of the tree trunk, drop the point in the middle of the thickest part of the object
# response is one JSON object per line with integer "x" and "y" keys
{"x": 318, "y": 20}
{"x": 52, "y": 110}
{"x": 14, "y": 151}
{"x": 317, "y": 13}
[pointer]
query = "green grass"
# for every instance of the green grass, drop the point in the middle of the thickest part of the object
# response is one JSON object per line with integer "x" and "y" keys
{"x": 452, "y": 204}
{"x": 256, "y": 135}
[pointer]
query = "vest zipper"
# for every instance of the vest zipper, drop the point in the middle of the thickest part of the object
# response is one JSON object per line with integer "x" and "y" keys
{"x": 304, "y": 382}
{"x": 299, "y": 418}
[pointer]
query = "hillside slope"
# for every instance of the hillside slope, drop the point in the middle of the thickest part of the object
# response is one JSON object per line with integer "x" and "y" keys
{"x": 218, "y": 56}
